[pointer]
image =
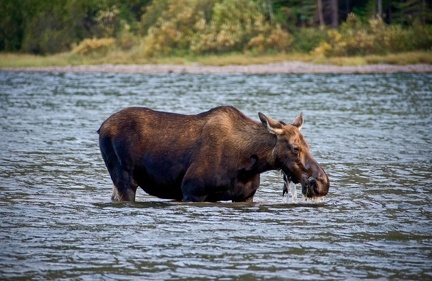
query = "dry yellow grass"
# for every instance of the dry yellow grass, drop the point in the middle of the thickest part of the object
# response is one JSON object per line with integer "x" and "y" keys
{"x": 135, "y": 57}
{"x": 401, "y": 59}
{"x": 248, "y": 59}
{"x": 24, "y": 60}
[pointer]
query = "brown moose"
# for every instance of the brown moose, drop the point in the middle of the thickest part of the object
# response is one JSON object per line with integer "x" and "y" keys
{"x": 212, "y": 156}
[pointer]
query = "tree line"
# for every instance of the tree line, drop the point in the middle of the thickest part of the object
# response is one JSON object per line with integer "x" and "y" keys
{"x": 328, "y": 27}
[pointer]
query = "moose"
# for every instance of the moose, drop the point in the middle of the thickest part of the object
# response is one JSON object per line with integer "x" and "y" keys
{"x": 215, "y": 155}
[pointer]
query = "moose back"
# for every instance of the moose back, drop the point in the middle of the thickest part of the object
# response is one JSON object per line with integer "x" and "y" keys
{"x": 212, "y": 156}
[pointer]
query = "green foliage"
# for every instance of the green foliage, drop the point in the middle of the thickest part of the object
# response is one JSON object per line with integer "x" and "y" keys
{"x": 213, "y": 26}
{"x": 172, "y": 27}
{"x": 409, "y": 11}
{"x": 375, "y": 37}
{"x": 11, "y": 25}
{"x": 293, "y": 13}
{"x": 152, "y": 13}
{"x": 307, "y": 39}
{"x": 421, "y": 36}
{"x": 50, "y": 26}
{"x": 233, "y": 25}
{"x": 176, "y": 26}
{"x": 274, "y": 40}
{"x": 46, "y": 34}
{"x": 45, "y": 26}
{"x": 125, "y": 39}
{"x": 108, "y": 21}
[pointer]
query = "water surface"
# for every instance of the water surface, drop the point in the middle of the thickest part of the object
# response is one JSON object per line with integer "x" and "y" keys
{"x": 371, "y": 133}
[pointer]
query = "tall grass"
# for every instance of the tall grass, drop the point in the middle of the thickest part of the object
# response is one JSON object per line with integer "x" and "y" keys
{"x": 27, "y": 60}
{"x": 129, "y": 57}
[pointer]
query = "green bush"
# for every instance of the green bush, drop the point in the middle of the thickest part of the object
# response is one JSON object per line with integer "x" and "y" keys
{"x": 273, "y": 39}
{"x": 422, "y": 36}
{"x": 213, "y": 26}
{"x": 374, "y": 37}
{"x": 307, "y": 39}
{"x": 46, "y": 34}
{"x": 108, "y": 21}
{"x": 151, "y": 16}
{"x": 239, "y": 25}
{"x": 176, "y": 27}
{"x": 234, "y": 23}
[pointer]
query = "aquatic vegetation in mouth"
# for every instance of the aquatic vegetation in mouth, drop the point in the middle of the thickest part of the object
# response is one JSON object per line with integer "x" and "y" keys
{"x": 290, "y": 189}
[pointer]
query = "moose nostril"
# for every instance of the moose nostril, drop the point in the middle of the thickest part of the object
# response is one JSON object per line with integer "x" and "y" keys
{"x": 313, "y": 185}
{"x": 312, "y": 182}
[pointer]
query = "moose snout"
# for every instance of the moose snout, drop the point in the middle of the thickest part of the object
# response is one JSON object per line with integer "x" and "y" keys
{"x": 316, "y": 186}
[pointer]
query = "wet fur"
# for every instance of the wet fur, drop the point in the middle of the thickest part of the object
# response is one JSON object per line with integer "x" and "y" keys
{"x": 212, "y": 156}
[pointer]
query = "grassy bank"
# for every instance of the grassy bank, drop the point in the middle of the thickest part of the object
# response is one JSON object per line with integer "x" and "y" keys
{"x": 119, "y": 57}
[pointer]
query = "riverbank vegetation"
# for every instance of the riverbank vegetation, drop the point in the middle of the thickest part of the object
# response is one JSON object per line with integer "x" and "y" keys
{"x": 214, "y": 32}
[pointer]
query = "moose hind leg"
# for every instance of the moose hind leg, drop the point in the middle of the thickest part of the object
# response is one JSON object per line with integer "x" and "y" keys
{"x": 124, "y": 187}
{"x": 121, "y": 173}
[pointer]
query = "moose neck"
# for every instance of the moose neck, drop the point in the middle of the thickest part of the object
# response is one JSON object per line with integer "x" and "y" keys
{"x": 260, "y": 145}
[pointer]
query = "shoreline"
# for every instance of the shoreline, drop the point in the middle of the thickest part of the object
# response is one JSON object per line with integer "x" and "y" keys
{"x": 286, "y": 67}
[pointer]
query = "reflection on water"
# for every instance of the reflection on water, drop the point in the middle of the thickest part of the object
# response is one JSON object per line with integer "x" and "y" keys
{"x": 371, "y": 133}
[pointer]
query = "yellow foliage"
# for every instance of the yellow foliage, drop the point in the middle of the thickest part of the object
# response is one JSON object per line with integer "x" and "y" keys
{"x": 275, "y": 39}
{"x": 108, "y": 21}
{"x": 374, "y": 37}
{"x": 258, "y": 44}
{"x": 279, "y": 40}
{"x": 89, "y": 46}
{"x": 126, "y": 41}
{"x": 202, "y": 26}
{"x": 176, "y": 27}
{"x": 323, "y": 49}
{"x": 234, "y": 23}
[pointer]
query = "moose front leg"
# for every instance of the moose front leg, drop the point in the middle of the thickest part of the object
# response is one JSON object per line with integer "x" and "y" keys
{"x": 247, "y": 189}
{"x": 193, "y": 190}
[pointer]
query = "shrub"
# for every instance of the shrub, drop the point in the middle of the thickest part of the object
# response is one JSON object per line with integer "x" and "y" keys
{"x": 274, "y": 39}
{"x": 108, "y": 21}
{"x": 125, "y": 39}
{"x": 422, "y": 36}
{"x": 94, "y": 46}
{"x": 352, "y": 39}
{"x": 176, "y": 27}
{"x": 388, "y": 38}
{"x": 307, "y": 39}
{"x": 213, "y": 26}
{"x": 375, "y": 37}
{"x": 233, "y": 24}
{"x": 47, "y": 34}
{"x": 152, "y": 13}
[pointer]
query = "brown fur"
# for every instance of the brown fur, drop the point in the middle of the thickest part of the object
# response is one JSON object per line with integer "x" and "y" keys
{"x": 215, "y": 155}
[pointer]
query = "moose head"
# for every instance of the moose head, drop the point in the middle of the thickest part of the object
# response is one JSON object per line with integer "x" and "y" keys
{"x": 292, "y": 155}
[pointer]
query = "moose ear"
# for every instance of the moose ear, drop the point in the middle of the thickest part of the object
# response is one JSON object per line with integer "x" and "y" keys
{"x": 271, "y": 125}
{"x": 298, "y": 121}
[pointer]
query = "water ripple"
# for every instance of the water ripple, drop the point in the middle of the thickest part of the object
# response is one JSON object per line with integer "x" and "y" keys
{"x": 370, "y": 132}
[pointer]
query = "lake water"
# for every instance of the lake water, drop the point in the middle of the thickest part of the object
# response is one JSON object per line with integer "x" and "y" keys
{"x": 371, "y": 133}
